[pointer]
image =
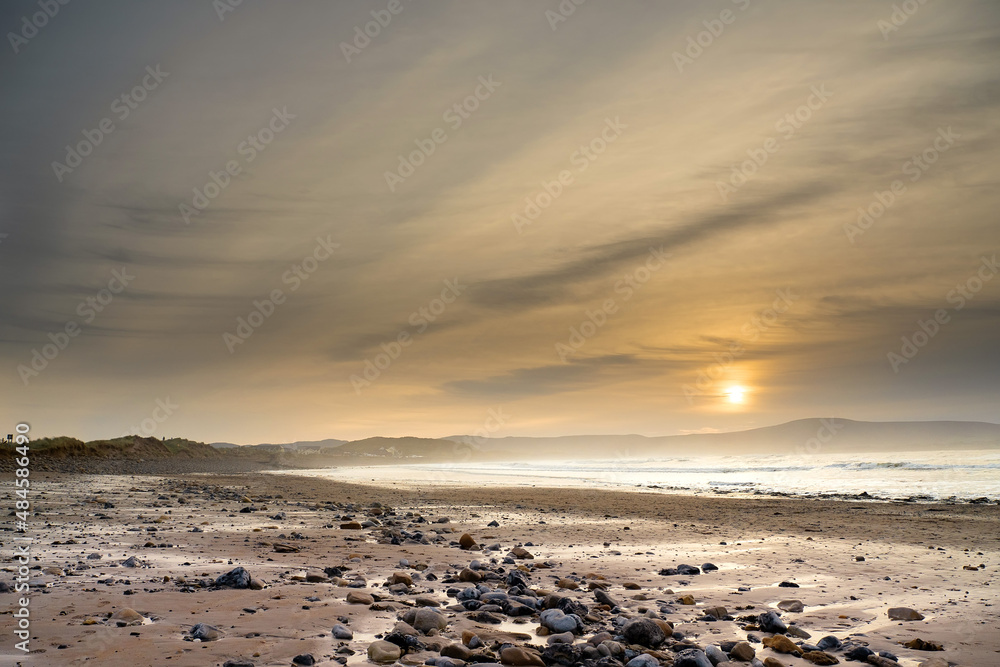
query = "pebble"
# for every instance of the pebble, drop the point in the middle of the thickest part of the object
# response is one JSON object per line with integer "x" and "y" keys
{"x": 793, "y": 606}
{"x": 425, "y": 619}
{"x": 743, "y": 651}
{"x": 643, "y": 631}
{"x": 692, "y": 657}
{"x": 358, "y": 597}
{"x": 558, "y": 621}
{"x": 341, "y": 631}
{"x": 643, "y": 660}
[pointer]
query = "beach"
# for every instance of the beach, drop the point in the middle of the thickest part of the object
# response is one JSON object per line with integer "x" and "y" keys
{"x": 124, "y": 568}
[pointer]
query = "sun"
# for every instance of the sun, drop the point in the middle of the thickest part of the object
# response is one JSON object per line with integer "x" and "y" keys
{"x": 736, "y": 394}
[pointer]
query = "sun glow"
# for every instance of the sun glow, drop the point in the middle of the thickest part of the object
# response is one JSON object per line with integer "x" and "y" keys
{"x": 736, "y": 394}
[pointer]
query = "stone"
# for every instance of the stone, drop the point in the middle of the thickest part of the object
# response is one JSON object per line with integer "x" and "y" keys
{"x": 341, "y": 631}
{"x": 793, "y": 606}
{"x": 383, "y": 651}
{"x": 934, "y": 662}
{"x": 880, "y": 661}
{"x": 643, "y": 660}
{"x": 238, "y": 662}
{"x": 400, "y": 578}
{"x": 717, "y": 612}
{"x": 781, "y": 644}
{"x": 715, "y": 654}
{"x": 709, "y": 567}
{"x": 204, "y": 632}
{"x": 604, "y": 598}
{"x": 773, "y": 662}
{"x": 305, "y": 659}
{"x": 469, "y": 575}
{"x": 425, "y": 619}
{"x": 561, "y": 638}
{"x": 771, "y": 622}
{"x": 520, "y": 657}
{"x": 351, "y": 525}
{"x": 457, "y": 651}
{"x": 236, "y": 578}
{"x": 743, "y": 652}
{"x": 282, "y": 548}
{"x": 797, "y": 632}
{"x": 568, "y": 584}
{"x": 922, "y": 645}
{"x": 424, "y": 601}
{"x": 558, "y": 621}
{"x": 466, "y": 541}
{"x": 686, "y": 599}
{"x": 126, "y": 617}
{"x": 829, "y": 642}
{"x": 359, "y": 597}
{"x": 788, "y": 584}
{"x": 692, "y": 657}
{"x": 819, "y": 658}
{"x": 688, "y": 570}
{"x": 643, "y": 631}
{"x": 631, "y": 586}
{"x": 522, "y": 553}
{"x": 904, "y": 614}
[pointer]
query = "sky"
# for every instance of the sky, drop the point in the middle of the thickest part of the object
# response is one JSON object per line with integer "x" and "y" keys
{"x": 268, "y": 222}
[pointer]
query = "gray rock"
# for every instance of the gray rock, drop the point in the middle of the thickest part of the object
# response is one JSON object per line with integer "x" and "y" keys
{"x": 905, "y": 614}
{"x": 644, "y": 632}
{"x": 828, "y": 642}
{"x": 604, "y": 598}
{"x": 794, "y": 606}
{"x": 204, "y": 632}
{"x": 236, "y": 578}
{"x": 692, "y": 657}
{"x": 306, "y": 660}
{"x": 425, "y": 619}
{"x": 643, "y": 660}
{"x": 341, "y": 631}
{"x": 771, "y": 622}
{"x": 557, "y": 621}
{"x": 715, "y": 654}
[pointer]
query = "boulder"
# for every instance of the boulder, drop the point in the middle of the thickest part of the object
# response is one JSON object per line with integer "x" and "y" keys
{"x": 644, "y": 632}
{"x": 904, "y": 614}
{"x": 782, "y": 644}
{"x": 236, "y": 578}
{"x": 692, "y": 657}
{"x": 383, "y": 651}
{"x": 819, "y": 658}
{"x": 743, "y": 652}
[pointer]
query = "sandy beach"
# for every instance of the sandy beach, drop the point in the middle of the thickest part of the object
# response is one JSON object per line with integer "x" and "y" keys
{"x": 125, "y": 567}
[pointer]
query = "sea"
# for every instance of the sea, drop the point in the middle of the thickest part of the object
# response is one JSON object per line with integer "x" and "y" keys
{"x": 927, "y": 475}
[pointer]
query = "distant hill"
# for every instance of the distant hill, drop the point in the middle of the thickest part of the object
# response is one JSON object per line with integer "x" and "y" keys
{"x": 288, "y": 446}
{"x": 128, "y": 447}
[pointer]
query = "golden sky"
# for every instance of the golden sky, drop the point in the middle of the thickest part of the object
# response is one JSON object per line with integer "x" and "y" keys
{"x": 638, "y": 217}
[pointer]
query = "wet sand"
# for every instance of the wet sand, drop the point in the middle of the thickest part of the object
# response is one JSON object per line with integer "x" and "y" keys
{"x": 939, "y": 559}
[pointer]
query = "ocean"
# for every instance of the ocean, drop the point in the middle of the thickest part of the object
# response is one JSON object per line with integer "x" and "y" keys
{"x": 928, "y": 475}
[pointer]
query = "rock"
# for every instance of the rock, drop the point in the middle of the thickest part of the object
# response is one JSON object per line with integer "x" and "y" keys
{"x": 709, "y": 567}
{"x": 686, "y": 599}
{"x": 921, "y": 645}
{"x": 425, "y": 619}
{"x": 204, "y": 632}
{"x": 236, "y": 578}
{"x": 521, "y": 552}
{"x": 466, "y": 541}
{"x": 561, "y": 638}
{"x": 383, "y": 651}
{"x": 282, "y": 548}
{"x": 351, "y": 525}
{"x": 238, "y": 662}
{"x": 556, "y": 620}
{"x": 773, "y": 662}
{"x": 880, "y": 661}
{"x": 604, "y": 598}
{"x": 788, "y": 584}
{"x": 317, "y": 578}
{"x": 715, "y": 654}
{"x": 643, "y": 631}
{"x": 631, "y": 586}
{"x": 341, "y": 631}
{"x": 520, "y": 657}
{"x": 126, "y": 617}
{"x": 934, "y": 662}
{"x": 643, "y": 660}
{"x": 305, "y": 659}
{"x": 796, "y": 631}
{"x": 781, "y": 644}
{"x": 688, "y": 570}
{"x": 424, "y": 601}
{"x": 568, "y": 584}
{"x": 130, "y": 562}
{"x": 400, "y": 578}
{"x": 771, "y": 622}
{"x": 820, "y": 658}
{"x": 692, "y": 657}
{"x": 794, "y": 606}
{"x": 470, "y": 576}
{"x": 457, "y": 651}
{"x": 743, "y": 652}
{"x": 717, "y": 612}
{"x": 359, "y": 597}
{"x": 859, "y": 653}
{"x": 904, "y": 614}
